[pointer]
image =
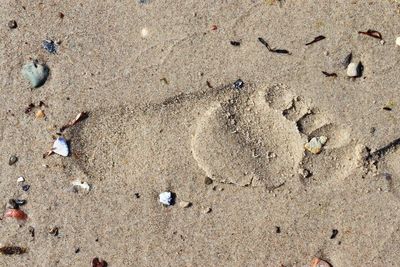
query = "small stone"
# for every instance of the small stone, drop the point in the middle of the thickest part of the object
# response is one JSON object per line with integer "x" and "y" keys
{"x": 35, "y": 73}
{"x": 144, "y": 32}
{"x": 184, "y": 204}
{"x": 136, "y": 195}
{"x": 96, "y": 262}
{"x": 26, "y": 187}
{"x": 40, "y": 114}
{"x": 54, "y": 231}
{"x": 12, "y": 24}
{"x": 354, "y": 69}
{"x": 20, "y": 179}
{"x": 82, "y": 185}
{"x": 398, "y": 41}
{"x": 304, "y": 173}
{"x": 166, "y": 198}
{"x": 319, "y": 263}
{"x": 238, "y": 84}
{"x": 208, "y": 181}
{"x": 50, "y": 46}
{"x": 315, "y": 144}
{"x": 206, "y": 210}
{"x": 13, "y": 159}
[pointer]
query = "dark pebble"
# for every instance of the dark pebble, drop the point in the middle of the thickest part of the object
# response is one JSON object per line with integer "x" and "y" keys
{"x": 49, "y": 46}
{"x": 277, "y": 229}
{"x": 137, "y": 195}
{"x": 54, "y": 231}
{"x": 235, "y": 43}
{"x": 96, "y": 262}
{"x": 334, "y": 233}
{"x": 13, "y": 204}
{"x": 208, "y": 181}
{"x": 238, "y": 84}
{"x": 77, "y": 250}
{"x": 12, "y": 160}
{"x": 12, "y": 24}
{"x": 26, "y": 187}
{"x": 31, "y": 231}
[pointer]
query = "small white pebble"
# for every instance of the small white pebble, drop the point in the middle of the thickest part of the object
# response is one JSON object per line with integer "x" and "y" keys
{"x": 166, "y": 198}
{"x": 144, "y": 32}
{"x": 78, "y": 183}
{"x": 21, "y": 179}
{"x": 382, "y": 42}
{"x": 398, "y": 41}
{"x": 353, "y": 70}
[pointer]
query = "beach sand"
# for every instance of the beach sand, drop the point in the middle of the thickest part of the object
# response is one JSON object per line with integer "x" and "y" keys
{"x": 156, "y": 79}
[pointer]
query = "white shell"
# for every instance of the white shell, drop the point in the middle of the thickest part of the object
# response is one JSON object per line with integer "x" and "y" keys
{"x": 60, "y": 147}
{"x": 398, "y": 41}
{"x": 83, "y": 185}
{"x": 20, "y": 179}
{"x": 352, "y": 70}
{"x": 166, "y": 198}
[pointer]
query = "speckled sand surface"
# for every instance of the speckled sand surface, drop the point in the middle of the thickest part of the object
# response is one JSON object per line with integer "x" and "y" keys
{"x": 163, "y": 116}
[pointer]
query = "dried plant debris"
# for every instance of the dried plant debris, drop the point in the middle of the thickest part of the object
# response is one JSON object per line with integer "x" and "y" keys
{"x": 316, "y": 262}
{"x": 29, "y": 108}
{"x": 12, "y": 250}
{"x": 389, "y": 106}
{"x": 372, "y": 33}
{"x": 279, "y": 51}
{"x": 96, "y": 262}
{"x": 80, "y": 117}
{"x": 346, "y": 61}
{"x": 316, "y": 39}
{"x": 335, "y": 232}
{"x": 328, "y": 74}
{"x": 235, "y": 43}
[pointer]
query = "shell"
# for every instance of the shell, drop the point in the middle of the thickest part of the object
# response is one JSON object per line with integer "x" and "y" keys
{"x": 15, "y": 213}
{"x": 60, "y": 147}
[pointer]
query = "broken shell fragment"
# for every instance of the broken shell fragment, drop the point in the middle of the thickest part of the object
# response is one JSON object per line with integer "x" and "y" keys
{"x": 319, "y": 263}
{"x": 398, "y": 41}
{"x": 315, "y": 144}
{"x": 166, "y": 198}
{"x": 15, "y": 213}
{"x": 35, "y": 73}
{"x": 40, "y": 114}
{"x": 60, "y": 147}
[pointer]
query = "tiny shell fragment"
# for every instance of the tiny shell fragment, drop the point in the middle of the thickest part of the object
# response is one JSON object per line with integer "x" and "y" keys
{"x": 315, "y": 144}
{"x": 319, "y": 263}
{"x": 15, "y": 213}
{"x": 79, "y": 184}
{"x": 354, "y": 70}
{"x": 39, "y": 114}
{"x": 398, "y": 41}
{"x": 184, "y": 204}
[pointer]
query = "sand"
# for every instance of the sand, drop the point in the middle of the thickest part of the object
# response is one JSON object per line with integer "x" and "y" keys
{"x": 157, "y": 79}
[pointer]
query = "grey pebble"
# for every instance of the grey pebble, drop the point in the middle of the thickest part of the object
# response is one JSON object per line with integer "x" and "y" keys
{"x": 35, "y": 73}
{"x": 208, "y": 181}
{"x": 12, "y": 24}
{"x": 13, "y": 159}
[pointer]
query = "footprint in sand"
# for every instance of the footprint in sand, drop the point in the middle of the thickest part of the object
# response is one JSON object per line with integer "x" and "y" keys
{"x": 248, "y": 137}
